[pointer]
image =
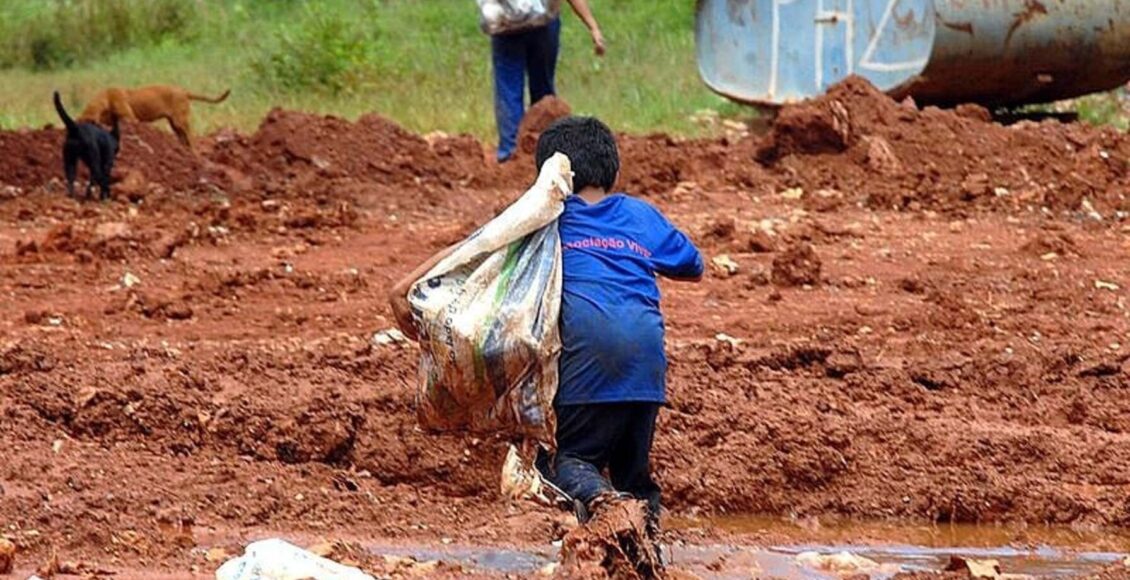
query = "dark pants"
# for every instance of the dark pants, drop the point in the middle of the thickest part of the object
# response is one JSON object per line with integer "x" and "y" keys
{"x": 612, "y": 436}
{"x": 531, "y": 53}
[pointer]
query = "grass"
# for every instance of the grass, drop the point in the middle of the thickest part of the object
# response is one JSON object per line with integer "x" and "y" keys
{"x": 424, "y": 64}
{"x": 1111, "y": 108}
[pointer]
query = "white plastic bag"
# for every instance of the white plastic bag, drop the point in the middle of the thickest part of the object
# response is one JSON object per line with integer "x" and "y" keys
{"x": 275, "y": 559}
{"x": 506, "y": 16}
{"x": 488, "y": 317}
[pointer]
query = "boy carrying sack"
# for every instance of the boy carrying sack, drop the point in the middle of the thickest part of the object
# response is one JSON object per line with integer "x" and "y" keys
{"x": 612, "y": 367}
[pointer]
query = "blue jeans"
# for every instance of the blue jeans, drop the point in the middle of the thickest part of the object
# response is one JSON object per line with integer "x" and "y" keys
{"x": 612, "y": 436}
{"x": 515, "y": 56}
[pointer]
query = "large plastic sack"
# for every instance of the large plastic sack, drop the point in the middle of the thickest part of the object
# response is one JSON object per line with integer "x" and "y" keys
{"x": 508, "y": 16}
{"x": 487, "y": 316}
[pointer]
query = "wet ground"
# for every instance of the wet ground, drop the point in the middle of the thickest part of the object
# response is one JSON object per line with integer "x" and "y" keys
{"x": 927, "y": 324}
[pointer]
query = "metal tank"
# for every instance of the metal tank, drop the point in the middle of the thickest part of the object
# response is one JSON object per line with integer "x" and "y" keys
{"x": 993, "y": 52}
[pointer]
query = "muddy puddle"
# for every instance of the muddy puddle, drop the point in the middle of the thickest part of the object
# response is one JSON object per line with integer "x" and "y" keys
{"x": 1046, "y": 552}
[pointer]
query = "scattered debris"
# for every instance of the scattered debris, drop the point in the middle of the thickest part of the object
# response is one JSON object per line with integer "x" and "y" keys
{"x": 54, "y": 567}
{"x": 724, "y": 265}
{"x": 389, "y": 336}
{"x": 1089, "y": 210}
{"x": 129, "y": 280}
{"x": 975, "y": 568}
{"x": 216, "y": 555}
{"x": 409, "y": 566}
{"x": 792, "y": 193}
{"x": 1104, "y": 285}
{"x": 723, "y": 337}
{"x": 839, "y": 563}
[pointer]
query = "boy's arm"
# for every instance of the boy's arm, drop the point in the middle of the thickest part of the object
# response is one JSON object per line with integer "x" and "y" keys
{"x": 675, "y": 256}
{"x": 398, "y": 296}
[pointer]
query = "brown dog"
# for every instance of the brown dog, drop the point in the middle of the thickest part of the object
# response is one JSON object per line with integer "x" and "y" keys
{"x": 147, "y": 104}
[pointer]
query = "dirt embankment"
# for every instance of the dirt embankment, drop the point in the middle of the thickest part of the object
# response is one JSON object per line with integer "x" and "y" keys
{"x": 921, "y": 314}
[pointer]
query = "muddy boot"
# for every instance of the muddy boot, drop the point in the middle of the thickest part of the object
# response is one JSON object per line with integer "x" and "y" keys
{"x": 615, "y": 538}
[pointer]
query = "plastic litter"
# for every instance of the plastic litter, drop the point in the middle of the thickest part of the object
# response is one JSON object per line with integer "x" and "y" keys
{"x": 275, "y": 559}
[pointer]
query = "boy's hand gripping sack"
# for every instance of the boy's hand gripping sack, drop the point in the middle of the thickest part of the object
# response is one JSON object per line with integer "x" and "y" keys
{"x": 487, "y": 316}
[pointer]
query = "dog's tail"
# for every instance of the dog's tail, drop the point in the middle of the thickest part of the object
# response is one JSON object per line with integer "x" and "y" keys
{"x": 218, "y": 99}
{"x": 67, "y": 120}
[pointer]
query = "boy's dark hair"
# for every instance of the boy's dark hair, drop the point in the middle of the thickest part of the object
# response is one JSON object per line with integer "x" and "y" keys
{"x": 590, "y": 147}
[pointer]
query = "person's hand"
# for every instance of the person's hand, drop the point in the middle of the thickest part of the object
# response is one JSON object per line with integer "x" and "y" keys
{"x": 597, "y": 42}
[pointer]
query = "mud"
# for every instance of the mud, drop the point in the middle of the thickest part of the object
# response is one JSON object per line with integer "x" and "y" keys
{"x": 962, "y": 358}
{"x": 615, "y": 543}
{"x": 537, "y": 119}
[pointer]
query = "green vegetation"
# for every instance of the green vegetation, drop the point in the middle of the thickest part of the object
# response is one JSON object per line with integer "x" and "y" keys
{"x": 424, "y": 64}
{"x": 1111, "y": 108}
{"x": 61, "y": 33}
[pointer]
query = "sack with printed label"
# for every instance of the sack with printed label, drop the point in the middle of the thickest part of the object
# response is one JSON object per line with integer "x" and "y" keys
{"x": 488, "y": 320}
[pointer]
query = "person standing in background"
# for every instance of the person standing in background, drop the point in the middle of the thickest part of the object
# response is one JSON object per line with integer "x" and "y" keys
{"x": 525, "y": 38}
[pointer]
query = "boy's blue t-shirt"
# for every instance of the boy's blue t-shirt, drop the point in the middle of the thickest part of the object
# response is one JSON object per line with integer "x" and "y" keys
{"x": 611, "y": 327}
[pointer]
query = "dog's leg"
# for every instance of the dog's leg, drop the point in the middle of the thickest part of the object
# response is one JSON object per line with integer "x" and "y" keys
{"x": 182, "y": 128}
{"x": 94, "y": 166}
{"x": 70, "y": 169}
{"x": 104, "y": 183}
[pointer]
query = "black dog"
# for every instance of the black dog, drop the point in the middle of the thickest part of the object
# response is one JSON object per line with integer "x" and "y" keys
{"x": 94, "y": 146}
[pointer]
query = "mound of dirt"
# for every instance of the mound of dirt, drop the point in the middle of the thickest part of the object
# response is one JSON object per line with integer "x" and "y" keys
{"x": 147, "y": 155}
{"x": 157, "y": 157}
{"x": 30, "y": 158}
{"x": 654, "y": 165}
{"x": 296, "y": 153}
{"x": 538, "y": 118}
{"x": 854, "y": 140}
{"x": 889, "y": 155}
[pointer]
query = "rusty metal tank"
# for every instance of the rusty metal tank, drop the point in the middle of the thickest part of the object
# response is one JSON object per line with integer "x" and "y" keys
{"x": 993, "y": 52}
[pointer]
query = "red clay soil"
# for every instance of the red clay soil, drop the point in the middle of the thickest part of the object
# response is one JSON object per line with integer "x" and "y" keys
{"x": 960, "y": 354}
{"x": 537, "y": 119}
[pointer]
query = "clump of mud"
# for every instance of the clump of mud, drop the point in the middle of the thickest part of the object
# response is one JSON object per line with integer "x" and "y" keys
{"x": 797, "y": 265}
{"x": 7, "y": 556}
{"x": 1058, "y": 243}
{"x": 614, "y": 544}
{"x": 537, "y": 119}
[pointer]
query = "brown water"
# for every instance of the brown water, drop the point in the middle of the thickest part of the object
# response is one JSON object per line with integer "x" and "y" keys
{"x": 767, "y": 548}
{"x": 1046, "y": 551}
{"x": 936, "y": 535}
